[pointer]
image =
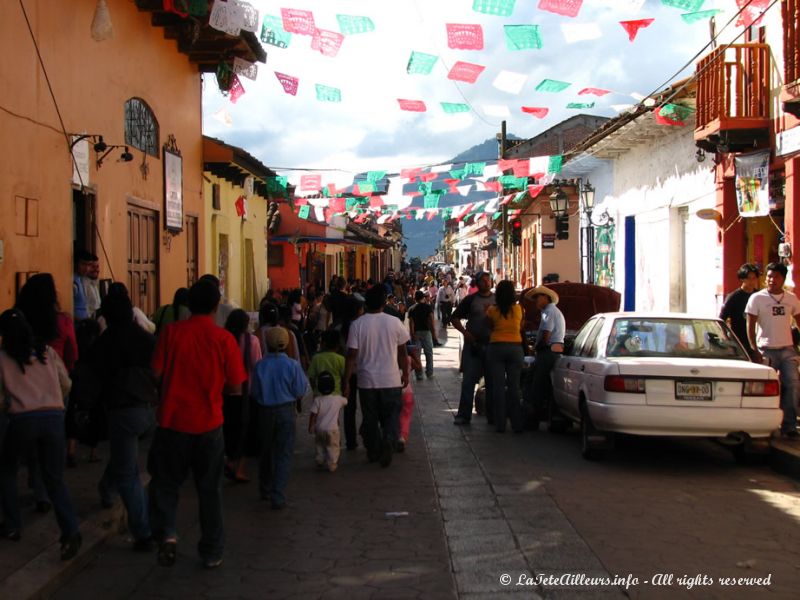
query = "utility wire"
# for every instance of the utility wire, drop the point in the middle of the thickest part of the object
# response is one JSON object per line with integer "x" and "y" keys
{"x": 63, "y": 129}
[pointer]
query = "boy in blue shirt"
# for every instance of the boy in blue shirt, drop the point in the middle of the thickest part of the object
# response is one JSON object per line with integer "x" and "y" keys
{"x": 278, "y": 384}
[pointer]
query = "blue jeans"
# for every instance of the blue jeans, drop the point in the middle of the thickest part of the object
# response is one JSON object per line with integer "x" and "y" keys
{"x": 172, "y": 455}
{"x": 44, "y": 433}
{"x": 276, "y": 430}
{"x": 505, "y": 364}
{"x": 125, "y": 427}
{"x": 784, "y": 360}
{"x": 381, "y": 417}
{"x": 473, "y": 367}
{"x": 426, "y": 341}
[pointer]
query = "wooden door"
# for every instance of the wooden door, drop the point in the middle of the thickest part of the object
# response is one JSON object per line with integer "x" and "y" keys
{"x": 192, "y": 272}
{"x": 143, "y": 258}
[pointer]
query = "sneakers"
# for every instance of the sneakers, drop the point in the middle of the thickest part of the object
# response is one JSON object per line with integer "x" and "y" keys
{"x": 70, "y": 547}
{"x": 430, "y": 376}
{"x": 212, "y": 563}
{"x": 167, "y": 553}
{"x": 400, "y": 446}
{"x": 460, "y": 421}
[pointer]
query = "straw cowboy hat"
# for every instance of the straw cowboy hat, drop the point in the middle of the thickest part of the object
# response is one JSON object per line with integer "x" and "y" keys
{"x": 544, "y": 290}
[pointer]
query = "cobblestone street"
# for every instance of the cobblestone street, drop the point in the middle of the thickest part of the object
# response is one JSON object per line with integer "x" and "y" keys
{"x": 481, "y": 505}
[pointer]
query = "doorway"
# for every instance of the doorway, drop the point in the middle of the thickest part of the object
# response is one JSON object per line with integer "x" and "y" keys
{"x": 143, "y": 258}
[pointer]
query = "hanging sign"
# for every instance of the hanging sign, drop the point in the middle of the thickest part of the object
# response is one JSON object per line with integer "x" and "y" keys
{"x": 173, "y": 186}
{"x": 752, "y": 183}
{"x": 548, "y": 241}
{"x": 80, "y": 166}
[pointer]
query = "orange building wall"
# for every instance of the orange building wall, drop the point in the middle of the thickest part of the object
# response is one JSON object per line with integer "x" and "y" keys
{"x": 91, "y": 80}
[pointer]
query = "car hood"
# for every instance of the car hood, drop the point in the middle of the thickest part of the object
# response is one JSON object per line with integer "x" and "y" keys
{"x": 694, "y": 368}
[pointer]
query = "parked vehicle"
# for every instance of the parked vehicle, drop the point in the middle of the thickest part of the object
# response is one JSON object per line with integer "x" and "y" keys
{"x": 663, "y": 375}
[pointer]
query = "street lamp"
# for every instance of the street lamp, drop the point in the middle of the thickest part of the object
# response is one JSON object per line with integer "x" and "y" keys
{"x": 587, "y": 192}
{"x": 559, "y": 202}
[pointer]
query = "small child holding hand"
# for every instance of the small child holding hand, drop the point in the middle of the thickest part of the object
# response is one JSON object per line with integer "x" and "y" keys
{"x": 324, "y": 421}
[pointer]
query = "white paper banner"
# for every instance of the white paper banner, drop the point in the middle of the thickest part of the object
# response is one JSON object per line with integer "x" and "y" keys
{"x": 226, "y": 16}
{"x": 441, "y": 168}
{"x": 510, "y": 82}
{"x": 224, "y": 117}
{"x": 464, "y": 189}
{"x": 496, "y": 110}
{"x": 580, "y": 32}
{"x": 245, "y": 68}
{"x": 248, "y": 17}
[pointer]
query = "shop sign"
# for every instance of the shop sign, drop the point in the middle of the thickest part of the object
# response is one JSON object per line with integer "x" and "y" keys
{"x": 548, "y": 240}
{"x": 787, "y": 142}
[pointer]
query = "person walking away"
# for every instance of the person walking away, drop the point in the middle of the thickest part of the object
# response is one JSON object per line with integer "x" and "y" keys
{"x": 770, "y": 315}
{"x": 226, "y": 305}
{"x": 445, "y": 297}
{"x": 328, "y": 361}
{"x": 407, "y": 404}
{"x": 268, "y": 317}
{"x": 549, "y": 347}
{"x": 732, "y": 311}
{"x": 196, "y": 362}
{"x": 376, "y": 350}
{"x": 128, "y": 391}
{"x": 236, "y": 407}
{"x": 34, "y": 383}
{"x": 177, "y": 311}
{"x": 422, "y": 331}
{"x": 354, "y": 309}
{"x": 323, "y": 421}
{"x": 278, "y": 384}
{"x": 504, "y": 357}
{"x": 473, "y": 354}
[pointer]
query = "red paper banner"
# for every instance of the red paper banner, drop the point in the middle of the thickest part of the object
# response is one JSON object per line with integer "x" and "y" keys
{"x": 593, "y": 91}
{"x": 663, "y": 120}
{"x": 493, "y": 186}
{"x": 535, "y": 190}
{"x": 375, "y": 202}
{"x": 522, "y": 168}
{"x": 310, "y": 183}
{"x": 338, "y": 204}
{"x": 633, "y": 27}
{"x": 568, "y": 8}
{"x": 411, "y": 174}
{"x": 751, "y": 12}
{"x": 464, "y": 37}
{"x": 540, "y": 112}
{"x": 241, "y": 206}
{"x": 331, "y": 189}
{"x": 504, "y": 165}
{"x": 452, "y": 185}
{"x": 237, "y": 89}
{"x": 327, "y": 42}
{"x": 412, "y": 105}
{"x": 298, "y": 21}
{"x": 426, "y": 177}
{"x": 432, "y": 214}
{"x": 288, "y": 82}
{"x": 507, "y": 199}
{"x": 169, "y": 6}
{"x": 300, "y": 201}
{"x": 466, "y": 72}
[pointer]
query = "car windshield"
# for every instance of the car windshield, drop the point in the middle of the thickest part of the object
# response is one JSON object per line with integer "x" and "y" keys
{"x": 686, "y": 338}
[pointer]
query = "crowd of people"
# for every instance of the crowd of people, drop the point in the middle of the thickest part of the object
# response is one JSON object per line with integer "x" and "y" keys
{"x": 215, "y": 390}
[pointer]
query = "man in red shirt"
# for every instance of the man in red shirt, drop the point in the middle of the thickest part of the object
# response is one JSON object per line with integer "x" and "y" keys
{"x": 196, "y": 361}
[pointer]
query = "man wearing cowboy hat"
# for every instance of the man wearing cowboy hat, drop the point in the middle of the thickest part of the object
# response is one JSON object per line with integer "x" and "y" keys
{"x": 549, "y": 345}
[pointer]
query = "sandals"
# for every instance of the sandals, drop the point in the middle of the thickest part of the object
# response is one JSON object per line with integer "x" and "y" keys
{"x": 70, "y": 547}
{"x": 167, "y": 553}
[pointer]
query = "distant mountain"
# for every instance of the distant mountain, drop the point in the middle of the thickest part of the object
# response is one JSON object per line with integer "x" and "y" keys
{"x": 423, "y": 237}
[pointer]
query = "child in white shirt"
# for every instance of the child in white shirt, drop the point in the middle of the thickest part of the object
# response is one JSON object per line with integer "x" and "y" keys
{"x": 324, "y": 422}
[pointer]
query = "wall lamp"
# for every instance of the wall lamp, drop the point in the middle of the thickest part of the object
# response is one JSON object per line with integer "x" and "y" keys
{"x": 101, "y": 148}
{"x": 559, "y": 202}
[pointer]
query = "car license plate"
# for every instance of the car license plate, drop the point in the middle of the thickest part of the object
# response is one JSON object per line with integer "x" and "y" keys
{"x": 693, "y": 390}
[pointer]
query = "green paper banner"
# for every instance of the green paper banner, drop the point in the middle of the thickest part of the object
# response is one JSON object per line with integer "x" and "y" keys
{"x": 451, "y": 108}
{"x": 554, "y": 163}
{"x": 421, "y": 63}
{"x": 509, "y": 181}
{"x": 432, "y": 201}
{"x": 499, "y": 8}
{"x": 675, "y": 112}
{"x": 304, "y": 211}
{"x": 446, "y": 213}
{"x": 703, "y": 15}
{"x": 375, "y": 176}
{"x": 272, "y": 32}
{"x": 328, "y": 94}
{"x": 350, "y": 204}
{"x": 475, "y": 168}
{"x": 459, "y": 173}
{"x": 366, "y": 187}
{"x": 580, "y": 105}
{"x": 522, "y": 37}
{"x": 552, "y": 85}
{"x": 425, "y": 187}
{"x": 349, "y": 24}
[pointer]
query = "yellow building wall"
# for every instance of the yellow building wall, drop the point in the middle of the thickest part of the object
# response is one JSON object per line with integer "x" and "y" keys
{"x": 225, "y": 224}
{"x": 91, "y": 80}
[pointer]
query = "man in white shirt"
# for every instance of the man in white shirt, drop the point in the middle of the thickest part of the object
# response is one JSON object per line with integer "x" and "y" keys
{"x": 376, "y": 350}
{"x": 770, "y": 313}
{"x": 445, "y": 297}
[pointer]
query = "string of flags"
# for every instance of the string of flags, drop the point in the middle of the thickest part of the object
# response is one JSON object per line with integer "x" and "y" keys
{"x": 281, "y": 30}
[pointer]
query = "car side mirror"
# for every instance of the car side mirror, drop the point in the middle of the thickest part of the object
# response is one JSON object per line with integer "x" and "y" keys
{"x": 568, "y": 344}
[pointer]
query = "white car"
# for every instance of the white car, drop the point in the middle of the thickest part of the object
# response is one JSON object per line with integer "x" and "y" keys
{"x": 665, "y": 375}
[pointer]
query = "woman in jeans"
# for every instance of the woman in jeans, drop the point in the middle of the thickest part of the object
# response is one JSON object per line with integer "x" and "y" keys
{"x": 504, "y": 356}
{"x": 34, "y": 382}
{"x": 128, "y": 392}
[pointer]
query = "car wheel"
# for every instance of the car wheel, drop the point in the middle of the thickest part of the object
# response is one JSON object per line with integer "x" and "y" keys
{"x": 589, "y": 447}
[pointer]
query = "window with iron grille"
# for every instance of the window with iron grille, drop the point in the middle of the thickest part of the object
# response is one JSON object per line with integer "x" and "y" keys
{"x": 141, "y": 127}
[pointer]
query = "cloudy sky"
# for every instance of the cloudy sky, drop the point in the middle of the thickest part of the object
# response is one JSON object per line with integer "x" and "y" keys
{"x": 368, "y": 131}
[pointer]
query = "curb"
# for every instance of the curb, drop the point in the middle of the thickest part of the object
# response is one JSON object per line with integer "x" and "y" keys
{"x": 784, "y": 457}
{"x": 45, "y": 571}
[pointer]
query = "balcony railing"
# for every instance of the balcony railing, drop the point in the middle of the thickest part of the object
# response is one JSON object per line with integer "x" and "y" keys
{"x": 791, "y": 40}
{"x": 733, "y": 88}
